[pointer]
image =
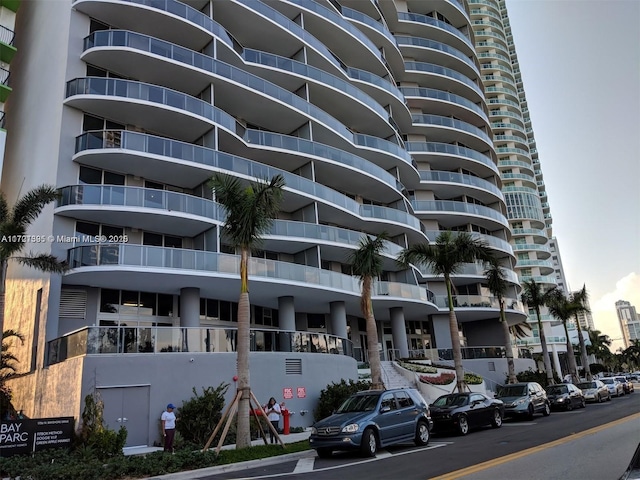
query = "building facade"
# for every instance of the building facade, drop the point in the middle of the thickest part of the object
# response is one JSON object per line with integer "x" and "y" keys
{"x": 374, "y": 113}
{"x": 8, "y": 9}
{"x": 629, "y": 322}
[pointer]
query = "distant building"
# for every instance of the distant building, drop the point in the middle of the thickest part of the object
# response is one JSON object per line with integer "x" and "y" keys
{"x": 585, "y": 318}
{"x": 629, "y": 322}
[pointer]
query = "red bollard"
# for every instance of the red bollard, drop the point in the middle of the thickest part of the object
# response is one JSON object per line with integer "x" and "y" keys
{"x": 285, "y": 416}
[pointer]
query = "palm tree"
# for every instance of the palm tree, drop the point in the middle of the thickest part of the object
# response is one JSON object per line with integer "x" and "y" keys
{"x": 497, "y": 284}
{"x": 631, "y": 355}
{"x": 250, "y": 212}
{"x": 534, "y": 297}
{"x": 8, "y": 367}
{"x": 13, "y": 227}
{"x": 366, "y": 263}
{"x": 445, "y": 258}
{"x": 563, "y": 308}
{"x": 580, "y": 300}
{"x": 600, "y": 344}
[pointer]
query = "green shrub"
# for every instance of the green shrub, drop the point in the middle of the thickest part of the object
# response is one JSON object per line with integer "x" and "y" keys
{"x": 531, "y": 376}
{"x": 199, "y": 415}
{"x": 417, "y": 367}
{"x": 472, "y": 379}
{"x": 94, "y": 436}
{"x": 336, "y": 393}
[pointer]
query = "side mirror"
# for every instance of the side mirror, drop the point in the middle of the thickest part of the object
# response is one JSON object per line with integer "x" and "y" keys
{"x": 385, "y": 409}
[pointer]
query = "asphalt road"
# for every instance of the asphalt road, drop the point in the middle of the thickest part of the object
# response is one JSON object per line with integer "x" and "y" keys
{"x": 585, "y": 444}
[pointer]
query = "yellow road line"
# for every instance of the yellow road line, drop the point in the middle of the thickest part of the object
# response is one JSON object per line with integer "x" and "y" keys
{"x": 508, "y": 458}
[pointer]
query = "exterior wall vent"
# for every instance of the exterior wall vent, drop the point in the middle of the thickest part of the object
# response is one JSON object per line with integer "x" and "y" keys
{"x": 73, "y": 304}
{"x": 293, "y": 366}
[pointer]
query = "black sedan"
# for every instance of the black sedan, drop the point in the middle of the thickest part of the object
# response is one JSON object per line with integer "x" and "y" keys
{"x": 565, "y": 396}
{"x": 463, "y": 411}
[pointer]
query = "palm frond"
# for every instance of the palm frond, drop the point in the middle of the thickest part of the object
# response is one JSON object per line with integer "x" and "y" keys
{"x": 29, "y": 206}
{"x": 44, "y": 262}
{"x": 4, "y": 208}
{"x": 496, "y": 279}
{"x": 367, "y": 261}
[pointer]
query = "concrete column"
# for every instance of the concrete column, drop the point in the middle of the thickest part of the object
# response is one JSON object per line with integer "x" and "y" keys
{"x": 338, "y": 313}
{"x": 399, "y": 332}
{"x": 190, "y": 307}
{"x": 556, "y": 360}
{"x": 286, "y": 313}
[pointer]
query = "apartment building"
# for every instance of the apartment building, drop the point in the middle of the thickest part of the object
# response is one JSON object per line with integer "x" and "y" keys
{"x": 629, "y": 322}
{"x": 8, "y": 9}
{"x": 374, "y": 113}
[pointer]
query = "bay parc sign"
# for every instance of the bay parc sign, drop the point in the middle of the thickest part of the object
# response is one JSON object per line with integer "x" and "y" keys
{"x": 30, "y": 435}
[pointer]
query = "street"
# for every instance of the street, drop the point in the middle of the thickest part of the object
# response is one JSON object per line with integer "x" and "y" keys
{"x": 587, "y": 443}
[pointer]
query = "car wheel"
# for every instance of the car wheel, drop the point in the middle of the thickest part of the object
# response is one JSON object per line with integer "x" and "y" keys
{"x": 609, "y": 398}
{"x": 324, "y": 452}
{"x": 369, "y": 444}
{"x": 463, "y": 425}
{"x": 547, "y": 410}
{"x": 583, "y": 403}
{"x": 530, "y": 412}
{"x": 599, "y": 399}
{"x": 569, "y": 406}
{"x": 496, "y": 422}
{"x": 422, "y": 434}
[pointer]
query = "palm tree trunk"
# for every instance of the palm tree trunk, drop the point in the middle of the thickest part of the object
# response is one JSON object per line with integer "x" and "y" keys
{"x": 571, "y": 358}
{"x": 507, "y": 345}
{"x": 372, "y": 335}
{"x": 455, "y": 339}
{"x": 545, "y": 351}
{"x": 583, "y": 352}
{"x": 243, "y": 433}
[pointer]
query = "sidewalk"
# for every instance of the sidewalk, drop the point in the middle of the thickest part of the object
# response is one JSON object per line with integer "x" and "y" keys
{"x": 232, "y": 467}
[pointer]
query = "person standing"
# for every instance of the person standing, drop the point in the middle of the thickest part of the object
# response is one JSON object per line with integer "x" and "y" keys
{"x": 273, "y": 415}
{"x": 168, "y": 419}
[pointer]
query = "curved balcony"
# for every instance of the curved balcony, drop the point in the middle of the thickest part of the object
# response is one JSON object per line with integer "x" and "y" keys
{"x": 373, "y": 79}
{"x": 546, "y": 266}
{"x": 492, "y": 79}
{"x": 490, "y": 240}
{"x": 453, "y": 102}
{"x": 375, "y": 143}
{"x": 171, "y": 20}
{"x": 261, "y": 100}
{"x": 449, "y": 34}
{"x": 477, "y": 301}
{"x": 511, "y": 138}
{"x": 471, "y": 270}
{"x": 424, "y": 48}
{"x": 523, "y": 247}
{"x": 507, "y": 126}
{"x": 140, "y": 208}
{"x": 427, "y": 207}
{"x": 414, "y": 72}
{"x": 452, "y": 155}
{"x": 512, "y": 150}
{"x": 176, "y": 340}
{"x": 526, "y": 190}
{"x": 461, "y": 182}
{"x": 396, "y": 290}
{"x": 489, "y": 45}
{"x": 541, "y": 279}
{"x": 535, "y": 232}
{"x": 506, "y": 91}
{"x": 242, "y": 167}
{"x": 470, "y": 132}
{"x": 508, "y": 163}
{"x": 159, "y": 109}
{"x": 505, "y": 113}
{"x": 519, "y": 176}
{"x": 535, "y": 341}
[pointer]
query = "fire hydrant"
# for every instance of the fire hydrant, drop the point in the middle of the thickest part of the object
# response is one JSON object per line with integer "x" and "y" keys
{"x": 285, "y": 417}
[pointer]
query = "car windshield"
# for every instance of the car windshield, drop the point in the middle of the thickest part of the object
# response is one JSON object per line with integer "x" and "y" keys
{"x": 586, "y": 385}
{"x": 608, "y": 381}
{"x": 359, "y": 403}
{"x": 556, "y": 389}
{"x": 513, "y": 391}
{"x": 621, "y": 379}
{"x": 451, "y": 401}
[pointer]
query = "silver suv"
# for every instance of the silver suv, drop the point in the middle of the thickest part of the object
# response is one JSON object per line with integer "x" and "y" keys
{"x": 524, "y": 399}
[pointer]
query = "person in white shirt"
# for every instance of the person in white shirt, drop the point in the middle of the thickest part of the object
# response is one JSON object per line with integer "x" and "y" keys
{"x": 273, "y": 411}
{"x": 168, "y": 419}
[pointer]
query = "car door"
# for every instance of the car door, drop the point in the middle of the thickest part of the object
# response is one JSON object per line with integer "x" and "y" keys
{"x": 537, "y": 396}
{"x": 388, "y": 418}
{"x": 408, "y": 411}
{"x": 478, "y": 409}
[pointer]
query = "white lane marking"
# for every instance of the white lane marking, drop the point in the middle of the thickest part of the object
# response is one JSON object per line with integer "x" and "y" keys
{"x": 304, "y": 465}
{"x": 519, "y": 424}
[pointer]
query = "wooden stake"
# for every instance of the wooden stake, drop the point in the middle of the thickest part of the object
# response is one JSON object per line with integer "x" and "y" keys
{"x": 224, "y": 414}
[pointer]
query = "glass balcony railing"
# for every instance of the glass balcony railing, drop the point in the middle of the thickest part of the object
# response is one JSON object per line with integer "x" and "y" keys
{"x": 448, "y": 149}
{"x": 531, "y": 246}
{"x": 377, "y": 212}
{"x": 478, "y": 301}
{"x": 365, "y": 19}
{"x": 518, "y": 176}
{"x": 299, "y": 68}
{"x": 435, "y": 45}
{"x": 418, "y": 18}
{"x": 377, "y": 143}
{"x": 518, "y": 151}
{"x": 535, "y": 263}
{"x": 459, "y": 207}
{"x": 404, "y": 290}
{"x": 472, "y": 353}
{"x": 505, "y": 90}
{"x": 425, "y": 119}
{"x": 459, "y": 178}
{"x": 536, "y": 340}
{"x": 445, "y": 96}
{"x": 490, "y": 240}
{"x": 510, "y": 138}
{"x": 546, "y": 279}
{"x": 183, "y": 10}
{"x": 117, "y": 195}
{"x": 472, "y": 269}
{"x": 368, "y": 77}
{"x": 529, "y": 231}
{"x": 508, "y": 126}
{"x": 209, "y": 64}
{"x": 514, "y": 163}
{"x": 444, "y": 71}
{"x": 175, "y": 340}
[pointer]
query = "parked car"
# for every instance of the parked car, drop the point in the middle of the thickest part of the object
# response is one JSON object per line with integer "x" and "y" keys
{"x": 463, "y": 411}
{"x": 373, "y": 419}
{"x": 615, "y": 387}
{"x": 627, "y": 386}
{"x": 524, "y": 399}
{"x": 632, "y": 377}
{"x": 565, "y": 396}
{"x": 595, "y": 391}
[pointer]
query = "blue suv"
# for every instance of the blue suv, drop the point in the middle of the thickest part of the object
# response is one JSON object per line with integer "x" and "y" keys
{"x": 373, "y": 419}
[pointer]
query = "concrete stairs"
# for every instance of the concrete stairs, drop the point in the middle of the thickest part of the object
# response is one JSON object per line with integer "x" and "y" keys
{"x": 392, "y": 378}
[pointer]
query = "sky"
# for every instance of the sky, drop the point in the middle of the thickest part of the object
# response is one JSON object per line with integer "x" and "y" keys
{"x": 580, "y": 64}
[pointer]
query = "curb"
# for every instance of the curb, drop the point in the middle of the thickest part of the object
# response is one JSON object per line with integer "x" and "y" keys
{"x": 235, "y": 467}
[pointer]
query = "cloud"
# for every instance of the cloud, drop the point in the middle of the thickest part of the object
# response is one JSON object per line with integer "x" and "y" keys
{"x": 604, "y": 308}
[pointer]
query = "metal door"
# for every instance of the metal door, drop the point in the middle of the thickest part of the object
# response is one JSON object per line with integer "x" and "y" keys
{"x": 128, "y": 407}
